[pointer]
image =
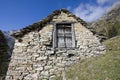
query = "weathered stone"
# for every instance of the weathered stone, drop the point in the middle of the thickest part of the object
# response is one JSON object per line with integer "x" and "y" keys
{"x": 36, "y": 55}
{"x": 47, "y": 67}
{"x": 36, "y": 65}
{"x": 39, "y": 69}
{"x": 52, "y": 77}
{"x": 60, "y": 65}
{"x": 40, "y": 52}
{"x": 49, "y": 52}
{"x": 28, "y": 77}
{"x": 44, "y": 73}
{"x": 8, "y": 78}
{"x": 35, "y": 76}
{"x": 42, "y": 58}
{"x": 69, "y": 63}
{"x": 51, "y": 70}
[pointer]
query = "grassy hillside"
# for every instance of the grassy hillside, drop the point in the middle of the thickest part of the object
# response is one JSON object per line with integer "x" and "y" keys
{"x": 3, "y": 55}
{"x": 104, "y": 67}
{"x": 108, "y": 28}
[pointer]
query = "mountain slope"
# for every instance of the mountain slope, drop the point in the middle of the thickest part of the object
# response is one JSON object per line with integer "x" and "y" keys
{"x": 4, "y": 48}
{"x": 109, "y": 24}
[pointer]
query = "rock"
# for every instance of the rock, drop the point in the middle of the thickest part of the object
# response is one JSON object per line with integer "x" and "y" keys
{"x": 60, "y": 65}
{"x": 42, "y": 58}
{"x": 49, "y": 52}
{"x": 35, "y": 76}
{"x": 39, "y": 69}
{"x": 47, "y": 67}
{"x": 45, "y": 73}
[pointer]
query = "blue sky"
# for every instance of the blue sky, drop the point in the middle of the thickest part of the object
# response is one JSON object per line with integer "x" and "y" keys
{"x": 16, "y": 14}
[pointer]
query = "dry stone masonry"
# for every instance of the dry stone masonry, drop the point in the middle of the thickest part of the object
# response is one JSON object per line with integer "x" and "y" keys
{"x": 34, "y": 57}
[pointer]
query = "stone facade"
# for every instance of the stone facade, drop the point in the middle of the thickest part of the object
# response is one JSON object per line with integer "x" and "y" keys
{"x": 34, "y": 58}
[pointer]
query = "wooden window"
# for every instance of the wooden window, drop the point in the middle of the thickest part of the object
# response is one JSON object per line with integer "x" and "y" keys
{"x": 63, "y": 36}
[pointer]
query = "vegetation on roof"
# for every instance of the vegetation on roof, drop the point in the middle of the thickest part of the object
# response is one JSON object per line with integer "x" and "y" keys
{"x": 39, "y": 25}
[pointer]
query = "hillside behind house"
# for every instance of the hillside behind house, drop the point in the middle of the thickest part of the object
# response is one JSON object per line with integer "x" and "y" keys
{"x": 109, "y": 24}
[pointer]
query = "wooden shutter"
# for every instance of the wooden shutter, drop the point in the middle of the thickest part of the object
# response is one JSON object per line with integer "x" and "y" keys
{"x": 73, "y": 35}
{"x": 60, "y": 36}
{"x": 68, "y": 35}
{"x": 54, "y": 37}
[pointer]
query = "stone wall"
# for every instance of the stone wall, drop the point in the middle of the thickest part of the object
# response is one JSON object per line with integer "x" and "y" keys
{"x": 33, "y": 57}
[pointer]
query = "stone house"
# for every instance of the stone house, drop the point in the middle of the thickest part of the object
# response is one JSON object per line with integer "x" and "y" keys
{"x": 46, "y": 48}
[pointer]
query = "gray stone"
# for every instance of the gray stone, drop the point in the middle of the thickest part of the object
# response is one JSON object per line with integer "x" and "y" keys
{"x": 39, "y": 69}
{"x": 51, "y": 70}
{"x": 42, "y": 58}
{"x": 44, "y": 73}
{"x": 60, "y": 65}
{"x": 40, "y": 52}
{"x": 35, "y": 76}
{"x": 47, "y": 67}
{"x": 49, "y": 52}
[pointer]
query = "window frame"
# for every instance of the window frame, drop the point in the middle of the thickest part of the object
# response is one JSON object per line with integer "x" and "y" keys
{"x": 55, "y": 35}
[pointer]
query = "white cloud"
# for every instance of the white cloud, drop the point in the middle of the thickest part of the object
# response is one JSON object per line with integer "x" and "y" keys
{"x": 90, "y": 12}
{"x": 115, "y": 5}
{"x": 102, "y": 1}
{"x": 106, "y": 1}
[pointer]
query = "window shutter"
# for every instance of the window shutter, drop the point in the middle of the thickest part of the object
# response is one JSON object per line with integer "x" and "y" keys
{"x": 73, "y": 36}
{"x": 60, "y": 36}
{"x": 68, "y": 36}
{"x": 68, "y": 41}
{"x": 54, "y": 37}
{"x": 61, "y": 42}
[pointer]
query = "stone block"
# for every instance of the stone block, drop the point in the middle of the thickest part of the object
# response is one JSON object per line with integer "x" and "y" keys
{"x": 36, "y": 55}
{"x": 41, "y": 58}
{"x": 52, "y": 77}
{"x": 49, "y": 62}
{"x": 59, "y": 58}
{"x": 45, "y": 73}
{"x": 51, "y": 71}
{"x": 40, "y": 52}
{"x": 39, "y": 68}
{"x": 47, "y": 67}
{"x": 37, "y": 65}
{"x": 69, "y": 63}
{"x": 35, "y": 76}
{"x": 60, "y": 65}
{"x": 49, "y": 52}
{"x": 73, "y": 58}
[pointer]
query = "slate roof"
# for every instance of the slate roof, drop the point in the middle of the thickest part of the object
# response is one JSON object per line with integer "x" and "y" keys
{"x": 39, "y": 25}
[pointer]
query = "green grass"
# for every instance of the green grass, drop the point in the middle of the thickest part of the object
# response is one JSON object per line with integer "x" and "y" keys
{"x": 104, "y": 67}
{"x": 108, "y": 28}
